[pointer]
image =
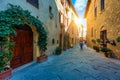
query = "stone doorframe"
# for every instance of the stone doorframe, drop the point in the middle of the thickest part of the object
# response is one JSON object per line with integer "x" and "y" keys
{"x": 36, "y": 50}
{"x": 103, "y": 36}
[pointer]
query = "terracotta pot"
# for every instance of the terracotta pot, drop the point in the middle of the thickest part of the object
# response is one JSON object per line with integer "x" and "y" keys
{"x": 5, "y": 75}
{"x": 42, "y": 58}
{"x": 107, "y": 55}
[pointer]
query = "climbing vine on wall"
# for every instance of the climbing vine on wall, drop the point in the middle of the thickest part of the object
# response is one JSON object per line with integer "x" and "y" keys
{"x": 15, "y": 15}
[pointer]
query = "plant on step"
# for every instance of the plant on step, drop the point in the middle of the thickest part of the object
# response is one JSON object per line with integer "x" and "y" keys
{"x": 96, "y": 48}
{"x": 93, "y": 41}
{"x": 106, "y": 51}
{"x": 98, "y": 40}
{"x": 5, "y": 54}
{"x": 58, "y": 50}
{"x": 118, "y": 39}
{"x": 11, "y": 17}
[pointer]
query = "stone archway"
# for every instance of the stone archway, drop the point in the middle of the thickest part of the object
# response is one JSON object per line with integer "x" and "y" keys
{"x": 15, "y": 15}
{"x": 23, "y": 49}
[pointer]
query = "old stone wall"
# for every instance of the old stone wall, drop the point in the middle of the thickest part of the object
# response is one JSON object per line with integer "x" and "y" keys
{"x": 52, "y": 26}
{"x": 107, "y": 19}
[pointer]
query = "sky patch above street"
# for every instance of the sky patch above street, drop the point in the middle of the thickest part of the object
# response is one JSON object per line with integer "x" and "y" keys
{"x": 80, "y": 6}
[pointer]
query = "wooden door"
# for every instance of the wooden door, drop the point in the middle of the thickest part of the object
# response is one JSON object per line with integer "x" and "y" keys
{"x": 103, "y": 37}
{"x": 23, "y": 49}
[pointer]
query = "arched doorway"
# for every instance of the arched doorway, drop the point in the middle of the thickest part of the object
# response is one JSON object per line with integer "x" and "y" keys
{"x": 103, "y": 36}
{"x": 23, "y": 49}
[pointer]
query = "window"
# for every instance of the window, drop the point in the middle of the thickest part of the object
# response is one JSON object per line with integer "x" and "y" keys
{"x": 62, "y": 2}
{"x": 50, "y": 12}
{"x": 50, "y": 9}
{"x": 53, "y": 41}
{"x": 34, "y": 3}
{"x": 72, "y": 40}
{"x": 57, "y": 41}
{"x": 102, "y": 3}
{"x": 95, "y": 11}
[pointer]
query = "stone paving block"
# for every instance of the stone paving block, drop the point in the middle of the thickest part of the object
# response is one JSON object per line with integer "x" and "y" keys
{"x": 72, "y": 64}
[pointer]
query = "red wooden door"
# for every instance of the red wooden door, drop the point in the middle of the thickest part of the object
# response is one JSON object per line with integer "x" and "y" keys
{"x": 23, "y": 49}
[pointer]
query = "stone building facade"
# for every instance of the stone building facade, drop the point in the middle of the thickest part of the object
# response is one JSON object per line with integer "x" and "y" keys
{"x": 73, "y": 33}
{"x": 103, "y": 22}
{"x": 74, "y": 28}
{"x": 46, "y": 11}
{"x": 63, "y": 19}
{"x": 67, "y": 16}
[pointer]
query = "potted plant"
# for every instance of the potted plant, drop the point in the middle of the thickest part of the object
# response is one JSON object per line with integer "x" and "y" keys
{"x": 93, "y": 41}
{"x": 96, "y": 48}
{"x": 106, "y": 51}
{"x": 98, "y": 40}
{"x": 42, "y": 57}
{"x": 112, "y": 42}
{"x": 118, "y": 39}
{"x": 58, "y": 50}
{"x": 42, "y": 42}
{"x": 5, "y": 58}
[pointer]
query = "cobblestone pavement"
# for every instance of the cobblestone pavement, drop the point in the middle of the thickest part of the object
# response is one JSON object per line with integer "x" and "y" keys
{"x": 72, "y": 64}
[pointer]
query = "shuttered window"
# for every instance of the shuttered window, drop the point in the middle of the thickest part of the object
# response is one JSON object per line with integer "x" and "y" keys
{"x": 102, "y": 3}
{"x": 34, "y": 3}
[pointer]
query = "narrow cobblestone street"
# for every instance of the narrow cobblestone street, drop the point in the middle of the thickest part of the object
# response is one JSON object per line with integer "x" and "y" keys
{"x": 72, "y": 64}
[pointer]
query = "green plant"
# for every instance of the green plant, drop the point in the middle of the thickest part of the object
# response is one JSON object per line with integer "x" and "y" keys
{"x": 96, "y": 48}
{"x": 15, "y": 15}
{"x": 118, "y": 39}
{"x": 58, "y": 50}
{"x": 93, "y": 41}
{"x": 98, "y": 40}
{"x": 5, "y": 54}
{"x": 105, "y": 49}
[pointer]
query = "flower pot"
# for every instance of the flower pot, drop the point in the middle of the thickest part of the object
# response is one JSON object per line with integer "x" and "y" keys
{"x": 107, "y": 54}
{"x": 42, "y": 58}
{"x": 97, "y": 50}
{"x": 5, "y": 75}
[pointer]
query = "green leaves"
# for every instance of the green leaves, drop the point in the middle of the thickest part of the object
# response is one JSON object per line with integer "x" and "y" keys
{"x": 15, "y": 15}
{"x": 118, "y": 39}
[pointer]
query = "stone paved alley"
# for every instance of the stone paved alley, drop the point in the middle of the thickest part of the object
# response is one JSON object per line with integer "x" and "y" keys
{"x": 72, "y": 64}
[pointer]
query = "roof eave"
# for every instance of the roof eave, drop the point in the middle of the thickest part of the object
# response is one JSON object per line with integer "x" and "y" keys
{"x": 73, "y": 9}
{"x": 87, "y": 8}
